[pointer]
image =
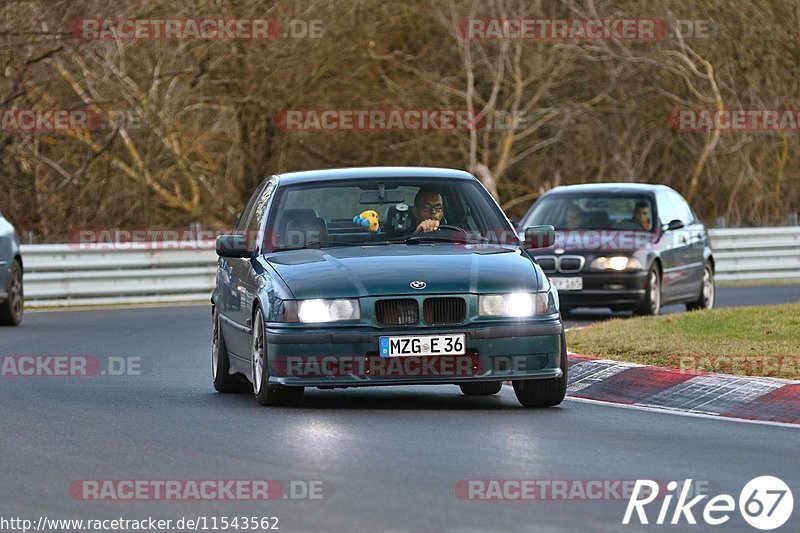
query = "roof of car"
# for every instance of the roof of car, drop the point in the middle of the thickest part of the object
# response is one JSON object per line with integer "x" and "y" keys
{"x": 620, "y": 188}
{"x": 309, "y": 176}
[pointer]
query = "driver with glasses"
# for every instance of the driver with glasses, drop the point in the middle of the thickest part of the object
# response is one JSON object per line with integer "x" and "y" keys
{"x": 428, "y": 210}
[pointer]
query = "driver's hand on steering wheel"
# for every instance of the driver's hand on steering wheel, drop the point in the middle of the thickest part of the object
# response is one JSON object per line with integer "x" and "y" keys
{"x": 427, "y": 225}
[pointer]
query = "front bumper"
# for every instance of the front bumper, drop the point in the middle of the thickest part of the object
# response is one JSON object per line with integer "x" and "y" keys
{"x": 349, "y": 356}
{"x": 605, "y": 289}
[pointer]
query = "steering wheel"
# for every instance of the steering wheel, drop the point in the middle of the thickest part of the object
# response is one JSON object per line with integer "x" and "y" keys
{"x": 481, "y": 238}
{"x": 450, "y": 227}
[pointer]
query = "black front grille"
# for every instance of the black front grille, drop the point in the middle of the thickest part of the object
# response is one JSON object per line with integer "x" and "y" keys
{"x": 571, "y": 264}
{"x": 444, "y": 310}
{"x": 396, "y": 312}
{"x": 548, "y": 264}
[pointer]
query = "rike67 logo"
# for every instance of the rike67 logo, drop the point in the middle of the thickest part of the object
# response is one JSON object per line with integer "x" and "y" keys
{"x": 765, "y": 503}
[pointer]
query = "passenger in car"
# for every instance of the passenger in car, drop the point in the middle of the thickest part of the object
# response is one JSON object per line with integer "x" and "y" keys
{"x": 641, "y": 215}
{"x": 573, "y": 217}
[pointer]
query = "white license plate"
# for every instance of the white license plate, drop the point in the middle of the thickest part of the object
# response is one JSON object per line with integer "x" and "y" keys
{"x": 409, "y": 345}
{"x": 568, "y": 284}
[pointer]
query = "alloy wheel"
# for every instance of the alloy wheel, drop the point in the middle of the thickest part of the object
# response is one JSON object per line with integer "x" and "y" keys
{"x": 258, "y": 352}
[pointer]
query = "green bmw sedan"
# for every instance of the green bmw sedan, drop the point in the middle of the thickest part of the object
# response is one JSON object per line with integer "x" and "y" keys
{"x": 383, "y": 276}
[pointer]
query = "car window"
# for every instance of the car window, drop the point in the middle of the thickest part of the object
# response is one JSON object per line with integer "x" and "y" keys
{"x": 681, "y": 208}
{"x": 590, "y": 211}
{"x": 666, "y": 211}
{"x": 339, "y": 203}
{"x": 332, "y": 212}
{"x": 259, "y": 207}
{"x": 247, "y": 213}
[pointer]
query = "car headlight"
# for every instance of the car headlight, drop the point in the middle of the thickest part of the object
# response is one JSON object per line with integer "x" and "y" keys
{"x": 319, "y": 310}
{"x": 619, "y": 262}
{"x": 517, "y": 304}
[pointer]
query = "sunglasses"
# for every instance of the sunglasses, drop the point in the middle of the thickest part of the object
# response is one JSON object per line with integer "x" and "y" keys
{"x": 431, "y": 208}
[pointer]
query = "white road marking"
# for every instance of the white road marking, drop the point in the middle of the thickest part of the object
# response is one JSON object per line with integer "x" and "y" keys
{"x": 669, "y": 411}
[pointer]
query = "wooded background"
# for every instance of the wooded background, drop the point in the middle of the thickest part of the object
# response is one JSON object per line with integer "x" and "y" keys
{"x": 200, "y": 134}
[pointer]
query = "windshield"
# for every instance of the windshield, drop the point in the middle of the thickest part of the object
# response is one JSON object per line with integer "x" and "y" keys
{"x": 382, "y": 211}
{"x": 593, "y": 211}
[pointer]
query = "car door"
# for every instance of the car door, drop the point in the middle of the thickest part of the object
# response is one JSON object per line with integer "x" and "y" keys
{"x": 230, "y": 302}
{"x": 246, "y": 285}
{"x": 692, "y": 245}
{"x": 670, "y": 248}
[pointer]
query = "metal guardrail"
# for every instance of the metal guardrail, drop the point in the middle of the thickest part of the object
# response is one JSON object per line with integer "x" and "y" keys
{"x": 753, "y": 254}
{"x": 68, "y": 275}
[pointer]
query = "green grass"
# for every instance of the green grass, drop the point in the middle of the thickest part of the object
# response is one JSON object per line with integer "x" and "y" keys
{"x": 753, "y": 341}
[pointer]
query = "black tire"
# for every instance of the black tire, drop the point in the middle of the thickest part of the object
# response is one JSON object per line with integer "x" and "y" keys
{"x": 567, "y": 312}
{"x": 485, "y": 388}
{"x": 220, "y": 362}
{"x": 652, "y": 301}
{"x": 707, "y": 291}
{"x": 266, "y": 393}
{"x": 12, "y": 309}
{"x": 544, "y": 392}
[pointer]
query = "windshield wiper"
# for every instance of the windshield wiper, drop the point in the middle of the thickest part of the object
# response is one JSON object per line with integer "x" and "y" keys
{"x": 420, "y": 238}
{"x": 416, "y": 239}
{"x": 383, "y": 243}
{"x": 315, "y": 245}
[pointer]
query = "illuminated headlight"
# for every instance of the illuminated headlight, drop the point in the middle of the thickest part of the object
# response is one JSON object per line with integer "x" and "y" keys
{"x": 619, "y": 262}
{"x": 517, "y": 304}
{"x": 318, "y": 310}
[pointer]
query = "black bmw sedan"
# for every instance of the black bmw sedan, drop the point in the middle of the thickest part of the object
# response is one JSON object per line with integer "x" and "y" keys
{"x": 625, "y": 246}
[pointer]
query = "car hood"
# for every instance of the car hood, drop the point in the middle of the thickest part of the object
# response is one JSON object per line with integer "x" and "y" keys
{"x": 385, "y": 270}
{"x": 623, "y": 240}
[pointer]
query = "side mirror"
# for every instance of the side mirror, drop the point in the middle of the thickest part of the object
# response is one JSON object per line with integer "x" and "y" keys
{"x": 233, "y": 246}
{"x": 674, "y": 224}
{"x": 539, "y": 237}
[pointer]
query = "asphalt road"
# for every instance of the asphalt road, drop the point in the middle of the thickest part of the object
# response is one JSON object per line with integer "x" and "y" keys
{"x": 389, "y": 458}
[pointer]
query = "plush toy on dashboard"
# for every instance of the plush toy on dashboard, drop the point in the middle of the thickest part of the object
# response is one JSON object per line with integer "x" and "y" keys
{"x": 368, "y": 219}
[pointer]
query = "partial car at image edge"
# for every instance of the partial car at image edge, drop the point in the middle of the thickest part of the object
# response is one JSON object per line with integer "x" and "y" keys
{"x": 12, "y": 296}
